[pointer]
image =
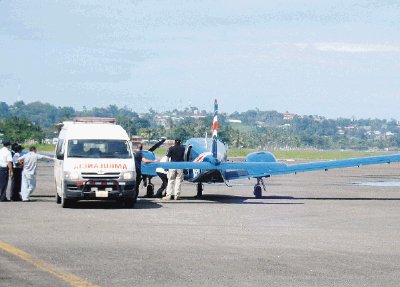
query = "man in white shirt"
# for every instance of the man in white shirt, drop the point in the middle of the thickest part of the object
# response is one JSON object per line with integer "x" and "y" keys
{"x": 29, "y": 161}
{"x": 6, "y": 169}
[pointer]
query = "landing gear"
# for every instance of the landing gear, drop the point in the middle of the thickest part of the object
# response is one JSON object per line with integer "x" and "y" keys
{"x": 260, "y": 185}
{"x": 257, "y": 191}
{"x": 199, "y": 189}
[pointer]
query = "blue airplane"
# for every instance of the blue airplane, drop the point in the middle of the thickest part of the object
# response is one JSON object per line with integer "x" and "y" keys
{"x": 206, "y": 162}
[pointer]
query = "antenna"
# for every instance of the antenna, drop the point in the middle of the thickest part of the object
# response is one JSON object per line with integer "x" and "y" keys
{"x": 215, "y": 130}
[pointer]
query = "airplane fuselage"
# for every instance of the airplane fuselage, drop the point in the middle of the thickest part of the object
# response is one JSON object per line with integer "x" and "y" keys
{"x": 200, "y": 150}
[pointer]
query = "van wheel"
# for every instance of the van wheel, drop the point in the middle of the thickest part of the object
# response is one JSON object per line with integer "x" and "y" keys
{"x": 65, "y": 202}
{"x": 58, "y": 198}
{"x": 130, "y": 202}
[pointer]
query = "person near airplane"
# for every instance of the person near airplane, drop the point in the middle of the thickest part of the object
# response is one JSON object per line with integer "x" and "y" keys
{"x": 139, "y": 158}
{"x": 162, "y": 174}
{"x": 175, "y": 176}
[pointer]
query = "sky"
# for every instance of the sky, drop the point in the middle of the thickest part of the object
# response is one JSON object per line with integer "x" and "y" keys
{"x": 336, "y": 58}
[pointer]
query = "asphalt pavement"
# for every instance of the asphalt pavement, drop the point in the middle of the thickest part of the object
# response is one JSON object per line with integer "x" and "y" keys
{"x": 311, "y": 229}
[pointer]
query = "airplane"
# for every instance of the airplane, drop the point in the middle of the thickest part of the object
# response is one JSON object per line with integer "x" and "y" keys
{"x": 205, "y": 161}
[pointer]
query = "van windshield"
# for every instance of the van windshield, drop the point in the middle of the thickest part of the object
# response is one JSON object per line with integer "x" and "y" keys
{"x": 99, "y": 149}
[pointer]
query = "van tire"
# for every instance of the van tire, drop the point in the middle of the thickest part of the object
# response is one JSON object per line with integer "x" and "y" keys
{"x": 130, "y": 202}
{"x": 58, "y": 198}
{"x": 65, "y": 202}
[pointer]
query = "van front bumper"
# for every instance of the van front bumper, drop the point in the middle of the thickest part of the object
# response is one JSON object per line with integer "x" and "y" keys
{"x": 99, "y": 189}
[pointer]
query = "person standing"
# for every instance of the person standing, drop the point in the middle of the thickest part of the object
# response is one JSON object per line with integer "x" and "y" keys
{"x": 175, "y": 176}
{"x": 16, "y": 179}
{"x": 29, "y": 161}
{"x": 162, "y": 174}
{"x": 138, "y": 154}
{"x": 6, "y": 169}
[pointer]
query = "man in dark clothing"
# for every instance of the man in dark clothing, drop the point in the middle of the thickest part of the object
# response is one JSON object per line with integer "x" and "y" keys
{"x": 175, "y": 176}
{"x": 6, "y": 169}
{"x": 16, "y": 179}
{"x": 138, "y": 154}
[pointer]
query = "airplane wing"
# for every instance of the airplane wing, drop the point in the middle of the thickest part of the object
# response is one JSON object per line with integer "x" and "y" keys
{"x": 236, "y": 170}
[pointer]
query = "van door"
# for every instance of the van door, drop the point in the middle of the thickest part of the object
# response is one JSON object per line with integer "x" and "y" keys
{"x": 59, "y": 165}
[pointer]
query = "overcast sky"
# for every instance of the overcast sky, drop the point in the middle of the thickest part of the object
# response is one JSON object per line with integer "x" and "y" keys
{"x": 332, "y": 58}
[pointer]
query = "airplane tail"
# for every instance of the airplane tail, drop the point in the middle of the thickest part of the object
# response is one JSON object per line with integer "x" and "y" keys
{"x": 215, "y": 130}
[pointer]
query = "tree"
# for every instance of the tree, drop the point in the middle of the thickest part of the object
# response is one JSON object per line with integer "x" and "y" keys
{"x": 21, "y": 130}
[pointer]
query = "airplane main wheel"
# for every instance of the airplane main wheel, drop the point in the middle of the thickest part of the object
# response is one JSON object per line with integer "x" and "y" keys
{"x": 199, "y": 190}
{"x": 257, "y": 191}
{"x": 150, "y": 190}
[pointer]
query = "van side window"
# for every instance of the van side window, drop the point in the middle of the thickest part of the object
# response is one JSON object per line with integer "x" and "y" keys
{"x": 60, "y": 149}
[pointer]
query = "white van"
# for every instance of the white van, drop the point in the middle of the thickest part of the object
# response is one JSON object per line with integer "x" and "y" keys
{"x": 94, "y": 161}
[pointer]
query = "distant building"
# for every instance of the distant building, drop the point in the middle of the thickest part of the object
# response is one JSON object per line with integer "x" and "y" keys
{"x": 197, "y": 117}
{"x": 163, "y": 121}
{"x": 232, "y": 121}
{"x": 288, "y": 116}
{"x": 136, "y": 139}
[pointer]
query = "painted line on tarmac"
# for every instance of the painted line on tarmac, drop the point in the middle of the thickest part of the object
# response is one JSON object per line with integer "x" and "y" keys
{"x": 56, "y": 272}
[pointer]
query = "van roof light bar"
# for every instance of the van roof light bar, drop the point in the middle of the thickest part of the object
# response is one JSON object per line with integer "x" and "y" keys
{"x": 94, "y": 120}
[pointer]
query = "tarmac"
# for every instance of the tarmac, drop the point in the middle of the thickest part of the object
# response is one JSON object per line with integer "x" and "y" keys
{"x": 310, "y": 229}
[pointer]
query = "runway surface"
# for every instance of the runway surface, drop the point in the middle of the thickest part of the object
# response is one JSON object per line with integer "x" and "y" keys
{"x": 311, "y": 229}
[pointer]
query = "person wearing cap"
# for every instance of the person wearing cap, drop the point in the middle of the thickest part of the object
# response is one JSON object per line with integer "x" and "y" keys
{"x": 6, "y": 169}
{"x": 29, "y": 161}
{"x": 175, "y": 176}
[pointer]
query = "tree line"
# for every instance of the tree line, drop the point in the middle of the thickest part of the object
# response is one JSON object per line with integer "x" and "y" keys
{"x": 251, "y": 129}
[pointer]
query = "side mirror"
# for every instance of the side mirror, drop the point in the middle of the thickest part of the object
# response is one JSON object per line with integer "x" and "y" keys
{"x": 60, "y": 156}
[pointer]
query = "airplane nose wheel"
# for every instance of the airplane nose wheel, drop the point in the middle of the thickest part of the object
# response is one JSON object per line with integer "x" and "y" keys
{"x": 260, "y": 185}
{"x": 199, "y": 189}
{"x": 257, "y": 191}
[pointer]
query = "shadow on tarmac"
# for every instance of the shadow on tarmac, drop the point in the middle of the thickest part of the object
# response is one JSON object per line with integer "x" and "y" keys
{"x": 152, "y": 203}
{"x": 229, "y": 199}
{"x": 225, "y": 199}
{"x": 99, "y": 204}
{"x": 330, "y": 198}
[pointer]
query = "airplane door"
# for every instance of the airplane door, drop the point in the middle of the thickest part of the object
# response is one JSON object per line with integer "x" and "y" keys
{"x": 187, "y": 172}
{"x": 187, "y": 153}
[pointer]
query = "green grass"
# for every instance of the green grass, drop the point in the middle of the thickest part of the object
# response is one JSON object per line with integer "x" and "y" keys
{"x": 41, "y": 147}
{"x": 297, "y": 154}
{"x": 280, "y": 154}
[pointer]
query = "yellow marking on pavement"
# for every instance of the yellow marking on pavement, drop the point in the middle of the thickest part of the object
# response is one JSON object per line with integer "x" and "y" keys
{"x": 65, "y": 276}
